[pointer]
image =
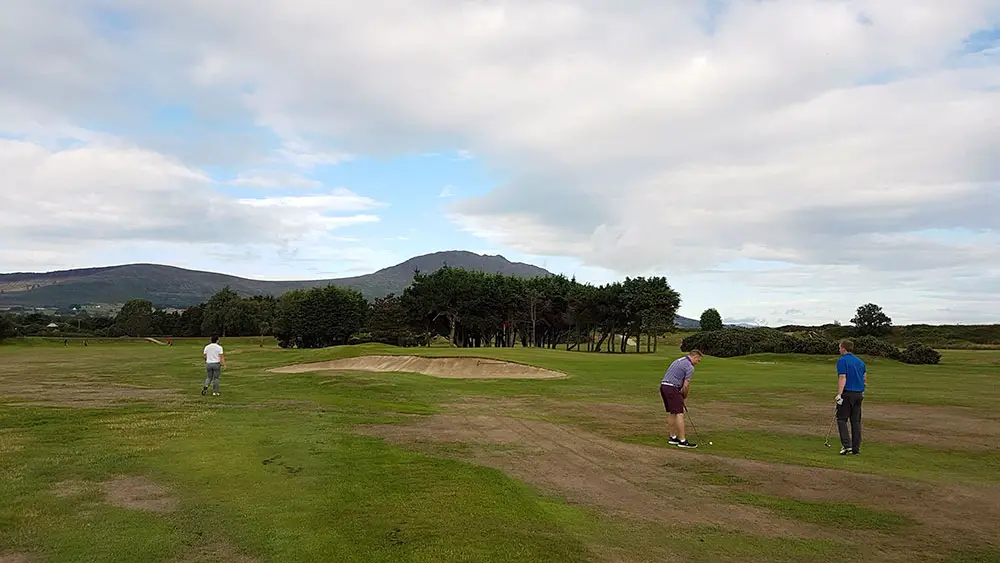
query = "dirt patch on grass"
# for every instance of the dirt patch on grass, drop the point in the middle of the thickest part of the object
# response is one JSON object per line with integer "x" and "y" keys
{"x": 947, "y": 511}
{"x": 15, "y": 558}
{"x": 138, "y": 493}
{"x": 947, "y": 428}
{"x": 625, "y": 480}
{"x": 672, "y": 485}
{"x": 216, "y": 552}
{"x": 81, "y": 394}
{"x": 69, "y": 488}
{"x": 452, "y": 368}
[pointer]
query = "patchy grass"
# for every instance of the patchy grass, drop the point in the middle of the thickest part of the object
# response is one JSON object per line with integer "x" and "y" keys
{"x": 839, "y": 514}
{"x": 109, "y": 453}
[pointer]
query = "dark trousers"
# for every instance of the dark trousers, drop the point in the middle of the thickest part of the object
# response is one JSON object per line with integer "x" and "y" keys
{"x": 850, "y": 410}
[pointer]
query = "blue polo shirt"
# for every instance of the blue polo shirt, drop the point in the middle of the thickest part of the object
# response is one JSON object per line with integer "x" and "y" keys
{"x": 854, "y": 368}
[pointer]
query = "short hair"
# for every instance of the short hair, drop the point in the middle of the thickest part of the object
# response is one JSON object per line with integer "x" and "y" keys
{"x": 847, "y": 345}
{"x": 215, "y": 339}
{"x": 696, "y": 352}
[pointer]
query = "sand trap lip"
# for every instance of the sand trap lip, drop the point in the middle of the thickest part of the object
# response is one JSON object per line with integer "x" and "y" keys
{"x": 449, "y": 367}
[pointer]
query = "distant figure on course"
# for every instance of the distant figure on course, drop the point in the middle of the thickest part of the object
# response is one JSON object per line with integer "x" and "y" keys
{"x": 674, "y": 388}
{"x": 214, "y": 362}
{"x": 852, "y": 376}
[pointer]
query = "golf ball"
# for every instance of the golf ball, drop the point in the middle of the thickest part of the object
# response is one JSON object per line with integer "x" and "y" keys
{"x": 710, "y": 443}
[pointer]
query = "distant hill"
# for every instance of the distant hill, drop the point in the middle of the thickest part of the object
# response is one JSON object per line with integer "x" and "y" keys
{"x": 684, "y": 322}
{"x": 169, "y": 286}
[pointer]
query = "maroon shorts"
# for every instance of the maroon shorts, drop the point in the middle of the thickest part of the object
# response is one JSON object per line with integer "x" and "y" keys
{"x": 673, "y": 401}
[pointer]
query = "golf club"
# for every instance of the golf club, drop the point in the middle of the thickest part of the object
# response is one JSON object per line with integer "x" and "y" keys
{"x": 832, "y": 424}
{"x": 693, "y": 428}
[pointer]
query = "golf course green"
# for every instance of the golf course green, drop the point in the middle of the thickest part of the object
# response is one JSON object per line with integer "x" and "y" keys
{"x": 109, "y": 452}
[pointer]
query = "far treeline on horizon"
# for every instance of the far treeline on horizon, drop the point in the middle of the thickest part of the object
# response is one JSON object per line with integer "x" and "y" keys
{"x": 461, "y": 298}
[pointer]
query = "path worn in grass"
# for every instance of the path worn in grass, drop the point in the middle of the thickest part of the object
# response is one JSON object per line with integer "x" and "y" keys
{"x": 669, "y": 485}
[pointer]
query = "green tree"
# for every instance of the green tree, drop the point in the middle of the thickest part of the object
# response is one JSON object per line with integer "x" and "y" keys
{"x": 319, "y": 317}
{"x": 711, "y": 320}
{"x": 135, "y": 318}
{"x": 218, "y": 316}
{"x": 191, "y": 321}
{"x": 388, "y": 322}
{"x": 871, "y": 321}
{"x": 6, "y": 327}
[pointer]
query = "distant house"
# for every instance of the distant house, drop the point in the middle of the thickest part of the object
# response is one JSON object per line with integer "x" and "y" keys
{"x": 52, "y": 325}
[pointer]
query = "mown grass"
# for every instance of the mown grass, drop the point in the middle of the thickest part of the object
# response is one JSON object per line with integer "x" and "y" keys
{"x": 910, "y": 461}
{"x": 328, "y": 493}
{"x": 839, "y": 514}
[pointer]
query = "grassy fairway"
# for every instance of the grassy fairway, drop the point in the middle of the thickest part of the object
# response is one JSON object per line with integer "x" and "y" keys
{"x": 109, "y": 453}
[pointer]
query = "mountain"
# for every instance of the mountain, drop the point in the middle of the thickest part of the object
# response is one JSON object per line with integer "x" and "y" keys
{"x": 169, "y": 286}
{"x": 684, "y": 322}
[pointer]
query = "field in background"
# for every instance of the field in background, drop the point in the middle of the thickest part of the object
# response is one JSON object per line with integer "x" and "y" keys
{"x": 109, "y": 453}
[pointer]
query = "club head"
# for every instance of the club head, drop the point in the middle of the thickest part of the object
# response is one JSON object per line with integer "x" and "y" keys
{"x": 827, "y": 444}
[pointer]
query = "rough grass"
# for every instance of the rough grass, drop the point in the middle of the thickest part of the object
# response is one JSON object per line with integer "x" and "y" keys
{"x": 275, "y": 469}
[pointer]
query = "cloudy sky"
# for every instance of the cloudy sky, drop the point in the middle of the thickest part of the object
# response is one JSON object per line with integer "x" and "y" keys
{"x": 783, "y": 161}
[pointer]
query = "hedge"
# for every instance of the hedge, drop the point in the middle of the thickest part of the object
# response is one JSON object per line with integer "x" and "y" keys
{"x": 739, "y": 341}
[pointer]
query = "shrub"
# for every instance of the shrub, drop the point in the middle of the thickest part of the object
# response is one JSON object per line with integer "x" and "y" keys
{"x": 731, "y": 342}
{"x": 918, "y": 353}
{"x": 817, "y": 346}
{"x": 872, "y": 346}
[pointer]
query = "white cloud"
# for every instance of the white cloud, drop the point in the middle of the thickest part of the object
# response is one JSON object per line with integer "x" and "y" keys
{"x": 61, "y": 203}
{"x": 448, "y": 191}
{"x": 274, "y": 179}
{"x": 642, "y": 136}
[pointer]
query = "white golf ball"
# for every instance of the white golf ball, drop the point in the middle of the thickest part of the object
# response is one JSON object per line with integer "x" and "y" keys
{"x": 710, "y": 443}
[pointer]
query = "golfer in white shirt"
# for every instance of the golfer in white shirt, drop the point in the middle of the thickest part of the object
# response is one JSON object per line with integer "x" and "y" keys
{"x": 214, "y": 362}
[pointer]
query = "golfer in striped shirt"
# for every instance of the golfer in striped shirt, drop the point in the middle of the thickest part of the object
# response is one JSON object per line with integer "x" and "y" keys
{"x": 674, "y": 388}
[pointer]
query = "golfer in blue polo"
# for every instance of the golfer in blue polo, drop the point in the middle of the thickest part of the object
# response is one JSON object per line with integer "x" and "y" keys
{"x": 674, "y": 388}
{"x": 852, "y": 375}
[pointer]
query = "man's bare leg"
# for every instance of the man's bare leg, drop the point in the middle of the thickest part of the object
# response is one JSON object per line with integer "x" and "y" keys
{"x": 676, "y": 422}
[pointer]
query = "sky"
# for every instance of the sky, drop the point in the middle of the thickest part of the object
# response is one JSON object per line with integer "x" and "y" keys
{"x": 781, "y": 161}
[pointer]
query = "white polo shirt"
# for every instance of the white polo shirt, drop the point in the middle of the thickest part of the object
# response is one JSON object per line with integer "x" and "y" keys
{"x": 213, "y": 353}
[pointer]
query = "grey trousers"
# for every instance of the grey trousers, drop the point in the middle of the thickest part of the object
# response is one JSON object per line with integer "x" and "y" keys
{"x": 850, "y": 411}
{"x": 213, "y": 371}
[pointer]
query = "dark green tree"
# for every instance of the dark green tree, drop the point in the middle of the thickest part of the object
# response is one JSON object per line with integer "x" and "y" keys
{"x": 871, "y": 321}
{"x": 191, "y": 321}
{"x": 6, "y": 327}
{"x": 218, "y": 316}
{"x": 711, "y": 320}
{"x": 319, "y": 317}
{"x": 135, "y": 318}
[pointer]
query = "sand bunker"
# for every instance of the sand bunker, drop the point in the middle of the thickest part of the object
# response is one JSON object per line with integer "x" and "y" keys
{"x": 452, "y": 368}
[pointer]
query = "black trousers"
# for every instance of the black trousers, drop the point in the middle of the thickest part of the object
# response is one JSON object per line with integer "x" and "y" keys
{"x": 850, "y": 410}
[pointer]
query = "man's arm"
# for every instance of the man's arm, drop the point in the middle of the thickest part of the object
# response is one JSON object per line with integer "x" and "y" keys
{"x": 841, "y": 376}
{"x": 685, "y": 388}
{"x": 222, "y": 358}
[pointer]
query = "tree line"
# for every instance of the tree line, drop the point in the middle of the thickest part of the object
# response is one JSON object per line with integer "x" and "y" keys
{"x": 467, "y": 308}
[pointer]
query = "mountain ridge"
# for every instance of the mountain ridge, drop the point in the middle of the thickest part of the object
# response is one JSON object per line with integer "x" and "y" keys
{"x": 179, "y": 287}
